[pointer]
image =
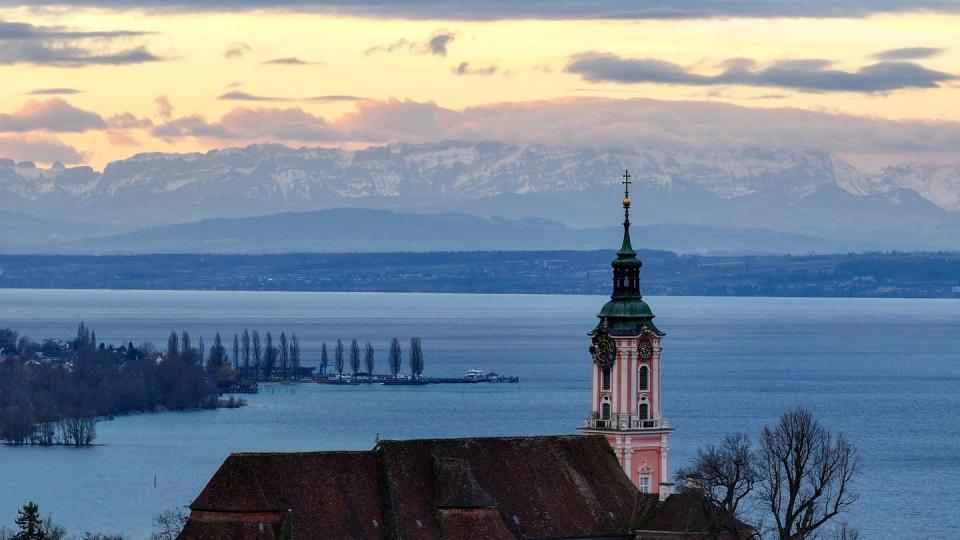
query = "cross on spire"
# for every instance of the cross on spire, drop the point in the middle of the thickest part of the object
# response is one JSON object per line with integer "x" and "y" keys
{"x": 626, "y": 184}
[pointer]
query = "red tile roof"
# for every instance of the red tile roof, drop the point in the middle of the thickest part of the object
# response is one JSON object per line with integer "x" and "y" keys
{"x": 512, "y": 487}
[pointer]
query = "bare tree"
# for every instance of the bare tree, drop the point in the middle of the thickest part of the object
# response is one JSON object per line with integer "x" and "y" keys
{"x": 245, "y": 343}
{"x": 256, "y": 352}
{"x": 396, "y": 357}
{"x": 324, "y": 359}
{"x": 168, "y": 524}
{"x": 295, "y": 355}
{"x": 804, "y": 474}
{"x": 186, "y": 348}
{"x": 722, "y": 477}
{"x": 416, "y": 358}
{"x": 284, "y": 354}
{"x": 270, "y": 357}
{"x": 236, "y": 354}
{"x": 368, "y": 361}
{"x": 218, "y": 357}
{"x": 173, "y": 345}
{"x": 354, "y": 358}
{"x": 338, "y": 358}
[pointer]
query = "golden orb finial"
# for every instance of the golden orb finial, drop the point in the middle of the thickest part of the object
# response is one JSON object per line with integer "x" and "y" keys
{"x": 626, "y": 202}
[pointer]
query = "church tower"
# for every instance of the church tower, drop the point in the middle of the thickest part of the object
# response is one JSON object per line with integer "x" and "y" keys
{"x": 625, "y": 398}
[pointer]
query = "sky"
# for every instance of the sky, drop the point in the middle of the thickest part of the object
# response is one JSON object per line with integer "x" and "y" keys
{"x": 89, "y": 82}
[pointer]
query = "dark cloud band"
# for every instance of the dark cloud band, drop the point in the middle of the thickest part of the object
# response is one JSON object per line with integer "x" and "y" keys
{"x": 537, "y": 9}
{"x": 22, "y": 43}
{"x": 237, "y": 95}
{"x": 813, "y": 75}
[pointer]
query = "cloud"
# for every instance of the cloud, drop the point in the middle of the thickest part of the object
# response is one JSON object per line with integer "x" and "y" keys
{"x": 237, "y": 50}
{"x": 128, "y": 121}
{"x": 253, "y": 125}
{"x": 164, "y": 108}
{"x": 54, "y": 92}
{"x": 52, "y": 115}
{"x": 464, "y": 68}
{"x": 236, "y": 95}
{"x": 908, "y": 53}
{"x": 42, "y": 149}
{"x": 805, "y": 75}
{"x": 436, "y": 45}
{"x": 400, "y": 120}
{"x": 22, "y": 43}
{"x": 536, "y": 9}
{"x": 288, "y": 61}
{"x": 587, "y": 123}
{"x": 122, "y": 138}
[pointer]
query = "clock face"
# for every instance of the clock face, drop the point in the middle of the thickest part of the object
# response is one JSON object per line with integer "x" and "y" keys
{"x": 645, "y": 350}
{"x": 603, "y": 350}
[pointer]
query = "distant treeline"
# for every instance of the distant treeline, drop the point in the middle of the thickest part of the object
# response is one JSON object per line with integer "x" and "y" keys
{"x": 891, "y": 274}
{"x": 53, "y": 393}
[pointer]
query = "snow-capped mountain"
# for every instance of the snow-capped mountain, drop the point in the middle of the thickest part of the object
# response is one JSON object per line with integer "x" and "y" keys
{"x": 797, "y": 191}
{"x": 939, "y": 184}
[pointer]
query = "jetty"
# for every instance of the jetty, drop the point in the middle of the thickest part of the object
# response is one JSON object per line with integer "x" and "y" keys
{"x": 472, "y": 377}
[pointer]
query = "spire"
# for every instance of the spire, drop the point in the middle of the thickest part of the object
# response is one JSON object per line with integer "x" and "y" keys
{"x": 626, "y": 249}
{"x": 626, "y": 267}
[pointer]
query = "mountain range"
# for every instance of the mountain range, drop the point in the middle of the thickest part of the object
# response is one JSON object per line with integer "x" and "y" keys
{"x": 731, "y": 199}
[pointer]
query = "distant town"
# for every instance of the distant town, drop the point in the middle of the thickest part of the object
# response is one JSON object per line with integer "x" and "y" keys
{"x": 878, "y": 275}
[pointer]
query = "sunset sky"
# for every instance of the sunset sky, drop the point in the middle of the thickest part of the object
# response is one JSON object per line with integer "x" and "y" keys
{"x": 90, "y": 82}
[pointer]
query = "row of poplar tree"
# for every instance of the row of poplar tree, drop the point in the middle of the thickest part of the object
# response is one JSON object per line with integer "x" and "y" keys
{"x": 256, "y": 358}
{"x": 394, "y": 358}
{"x": 253, "y": 358}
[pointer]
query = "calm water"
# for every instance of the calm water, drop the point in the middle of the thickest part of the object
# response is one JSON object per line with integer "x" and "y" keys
{"x": 885, "y": 372}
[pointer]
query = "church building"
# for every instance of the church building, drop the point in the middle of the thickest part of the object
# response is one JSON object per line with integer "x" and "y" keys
{"x": 610, "y": 482}
{"x": 625, "y": 396}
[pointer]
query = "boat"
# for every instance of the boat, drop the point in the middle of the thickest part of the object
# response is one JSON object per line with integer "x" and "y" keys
{"x": 475, "y": 375}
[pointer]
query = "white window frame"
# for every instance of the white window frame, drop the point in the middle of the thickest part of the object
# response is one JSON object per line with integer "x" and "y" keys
{"x": 645, "y": 479}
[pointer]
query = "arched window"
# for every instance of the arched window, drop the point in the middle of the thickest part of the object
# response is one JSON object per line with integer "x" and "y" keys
{"x": 606, "y": 379}
{"x": 644, "y": 379}
{"x": 643, "y": 411}
{"x": 605, "y": 411}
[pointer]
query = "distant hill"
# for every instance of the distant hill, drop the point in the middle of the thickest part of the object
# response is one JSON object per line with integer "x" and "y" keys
{"x": 361, "y": 230}
{"x": 925, "y": 275}
{"x": 809, "y": 194}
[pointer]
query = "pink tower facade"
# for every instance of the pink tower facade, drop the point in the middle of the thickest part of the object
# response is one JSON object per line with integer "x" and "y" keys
{"x": 625, "y": 398}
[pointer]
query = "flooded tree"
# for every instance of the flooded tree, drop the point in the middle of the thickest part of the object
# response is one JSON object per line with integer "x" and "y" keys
{"x": 236, "y": 353}
{"x": 257, "y": 350}
{"x": 245, "y": 344}
{"x": 270, "y": 357}
{"x": 284, "y": 355}
{"x": 354, "y": 358}
{"x": 324, "y": 359}
{"x": 295, "y": 355}
{"x": 338, "y": 360}
{"x": 416, "y": 358}
{"x": 395, "y": 359}
{"x": 368, "y": 361}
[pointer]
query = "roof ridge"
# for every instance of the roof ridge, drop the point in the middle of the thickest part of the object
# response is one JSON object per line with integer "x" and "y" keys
{"x": 487, "y": 438}
{"x": 304, "y": 453}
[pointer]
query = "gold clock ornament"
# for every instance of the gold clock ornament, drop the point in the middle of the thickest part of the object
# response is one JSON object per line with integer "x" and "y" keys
{"x": 645, "y": 350}
{"x": 603, "y": 350}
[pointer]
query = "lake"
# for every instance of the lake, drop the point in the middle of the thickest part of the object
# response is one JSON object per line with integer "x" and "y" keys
{"x": 884, "y": 372}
